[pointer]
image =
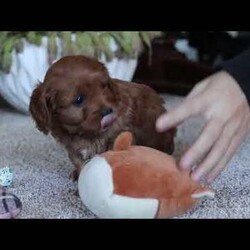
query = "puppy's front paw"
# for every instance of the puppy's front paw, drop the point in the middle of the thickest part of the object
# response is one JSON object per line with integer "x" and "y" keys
{"x": 74, "y": 175}
{"x": 76, "y": 193}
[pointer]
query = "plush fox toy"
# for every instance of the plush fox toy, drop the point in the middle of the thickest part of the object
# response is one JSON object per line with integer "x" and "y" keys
{"x": 133, "y": 181}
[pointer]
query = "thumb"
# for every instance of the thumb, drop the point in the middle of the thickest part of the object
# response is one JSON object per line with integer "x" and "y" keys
{"x": 188, "y": 108}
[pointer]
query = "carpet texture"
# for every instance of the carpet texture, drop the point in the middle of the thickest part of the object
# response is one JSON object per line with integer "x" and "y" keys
{"x": 41, "y": 169}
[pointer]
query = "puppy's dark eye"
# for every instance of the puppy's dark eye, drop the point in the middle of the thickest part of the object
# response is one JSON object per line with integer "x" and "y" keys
{"x": 79, "y": 100}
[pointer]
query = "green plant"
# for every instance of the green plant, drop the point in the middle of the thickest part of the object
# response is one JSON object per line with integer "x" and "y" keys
{"x": 87, "y": 43}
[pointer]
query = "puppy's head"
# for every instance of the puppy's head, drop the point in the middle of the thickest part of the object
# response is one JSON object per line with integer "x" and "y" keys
{"x": 77, "y": 95}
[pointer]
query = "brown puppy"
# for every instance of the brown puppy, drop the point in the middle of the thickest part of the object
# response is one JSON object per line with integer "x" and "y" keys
{"x": 85, "y": 109}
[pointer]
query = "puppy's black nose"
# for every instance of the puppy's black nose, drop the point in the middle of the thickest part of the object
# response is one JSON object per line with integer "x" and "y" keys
{"x": 106, "y": 111}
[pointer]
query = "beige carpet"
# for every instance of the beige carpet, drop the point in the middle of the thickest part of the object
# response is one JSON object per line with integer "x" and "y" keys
{"x": 41, "y": 171}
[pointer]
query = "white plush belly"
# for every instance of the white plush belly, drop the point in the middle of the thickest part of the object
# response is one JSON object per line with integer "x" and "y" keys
{"x": 96, "y": 191}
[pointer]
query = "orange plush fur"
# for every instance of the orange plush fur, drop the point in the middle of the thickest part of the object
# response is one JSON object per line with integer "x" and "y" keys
{"x": 144, "y": 172}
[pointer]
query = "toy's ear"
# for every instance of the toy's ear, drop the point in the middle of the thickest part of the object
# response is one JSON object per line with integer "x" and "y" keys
{"x": 203, "y": 192}
{"x": 123, "y": 141}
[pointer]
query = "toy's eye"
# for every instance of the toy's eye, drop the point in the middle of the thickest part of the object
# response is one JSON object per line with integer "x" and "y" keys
{"x": 79, "y": 100}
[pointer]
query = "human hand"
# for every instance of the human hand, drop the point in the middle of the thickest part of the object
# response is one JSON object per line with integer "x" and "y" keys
{"x": 220, "y": 100}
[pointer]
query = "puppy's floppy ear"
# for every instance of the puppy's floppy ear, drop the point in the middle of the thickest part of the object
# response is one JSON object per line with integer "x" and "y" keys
{"x": 39, "y": 108}
{"x": 104, "y": 76}
{"x": 113, "y": 86}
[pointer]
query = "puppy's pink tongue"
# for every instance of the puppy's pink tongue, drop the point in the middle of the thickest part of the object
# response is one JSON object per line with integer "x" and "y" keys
{"x": 107, "y": 120}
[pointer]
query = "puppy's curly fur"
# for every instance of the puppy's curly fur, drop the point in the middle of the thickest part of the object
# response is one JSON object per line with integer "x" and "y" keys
{"x": 85, "y": 109}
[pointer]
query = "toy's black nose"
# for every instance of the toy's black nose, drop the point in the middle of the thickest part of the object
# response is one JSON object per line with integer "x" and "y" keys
{"x": 106, "y": 111}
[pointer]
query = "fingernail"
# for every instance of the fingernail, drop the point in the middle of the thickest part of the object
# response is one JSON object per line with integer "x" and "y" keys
{"x": 195, "y": 177}
{"x": 185, "y": 163}
{"x": 161, "y": 124}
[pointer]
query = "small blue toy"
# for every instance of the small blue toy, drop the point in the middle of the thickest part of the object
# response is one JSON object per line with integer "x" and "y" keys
{"x": 6, "y": 176}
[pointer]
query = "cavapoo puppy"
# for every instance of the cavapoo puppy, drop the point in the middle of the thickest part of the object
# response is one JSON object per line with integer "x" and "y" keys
{"x": 84, "y": 109}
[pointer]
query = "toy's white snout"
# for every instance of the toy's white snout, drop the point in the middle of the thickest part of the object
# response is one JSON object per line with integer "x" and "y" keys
{"x": 96, "y": 187}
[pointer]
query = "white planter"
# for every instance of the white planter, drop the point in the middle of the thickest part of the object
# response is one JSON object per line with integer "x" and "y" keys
{"x": 29, "y": 67}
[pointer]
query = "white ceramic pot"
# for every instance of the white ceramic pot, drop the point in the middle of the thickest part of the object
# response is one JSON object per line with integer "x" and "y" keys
{"x": 29, "y": 67}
